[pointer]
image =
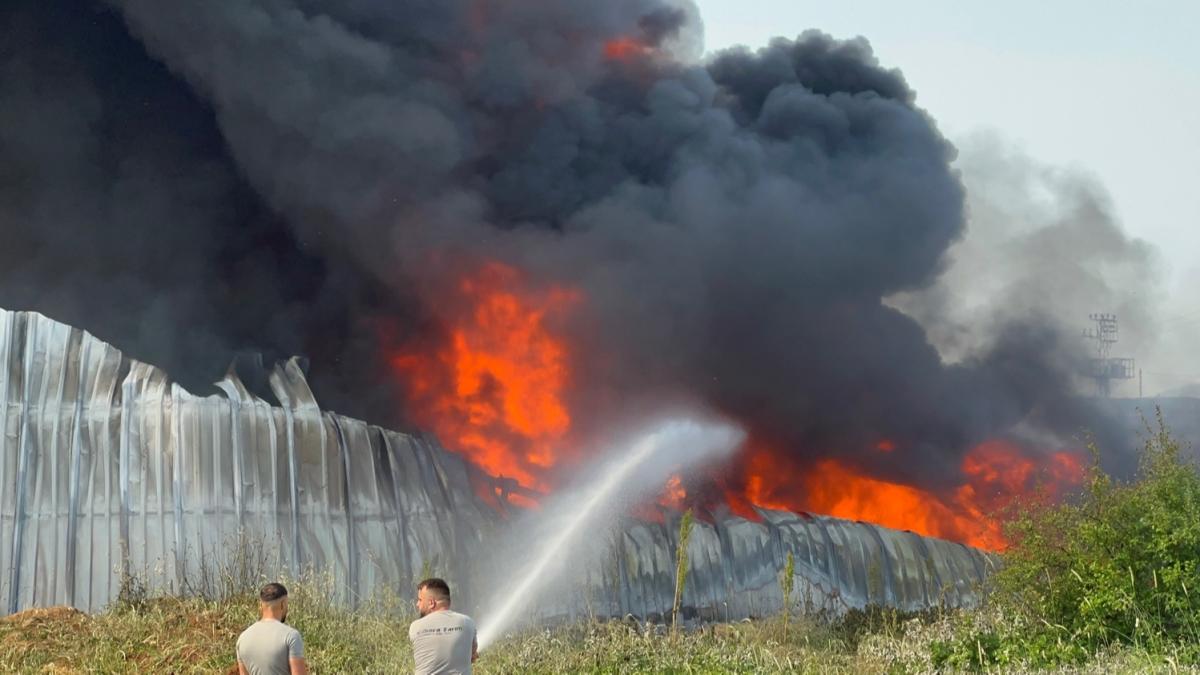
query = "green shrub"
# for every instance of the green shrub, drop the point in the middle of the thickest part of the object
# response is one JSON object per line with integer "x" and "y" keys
{"x": 851, "y": 627}
{"x": 681, "y": 568}
{"x": 1119, "y": 566}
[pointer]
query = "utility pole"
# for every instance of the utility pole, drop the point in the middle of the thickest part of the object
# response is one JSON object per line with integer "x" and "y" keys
{"x": 1103, "y": 368}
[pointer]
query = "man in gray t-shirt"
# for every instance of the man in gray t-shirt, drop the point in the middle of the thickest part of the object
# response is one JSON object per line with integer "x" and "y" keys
{"x": 443, "y": 641}
{"x": 270, "y": 646}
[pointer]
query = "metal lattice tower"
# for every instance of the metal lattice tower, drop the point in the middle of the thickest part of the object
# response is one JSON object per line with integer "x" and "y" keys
{"x": 1104, "y": 368}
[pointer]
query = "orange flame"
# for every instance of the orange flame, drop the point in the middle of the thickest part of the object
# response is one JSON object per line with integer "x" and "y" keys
{"x": 674, "y": 495}
{"x": 994, "y": 474}
{"x": 495, "y": 390}
{"x": 623, "y": 49}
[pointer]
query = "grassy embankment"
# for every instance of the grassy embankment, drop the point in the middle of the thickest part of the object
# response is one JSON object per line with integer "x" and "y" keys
{"x": 197, "y": 636}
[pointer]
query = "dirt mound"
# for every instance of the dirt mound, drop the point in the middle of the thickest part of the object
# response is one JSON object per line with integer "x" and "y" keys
{"x": 32, "y": 630}
{"x": 39, "y": 615}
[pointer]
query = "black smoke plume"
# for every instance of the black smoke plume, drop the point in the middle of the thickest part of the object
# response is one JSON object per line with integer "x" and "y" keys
{"x": 189, "y": 179}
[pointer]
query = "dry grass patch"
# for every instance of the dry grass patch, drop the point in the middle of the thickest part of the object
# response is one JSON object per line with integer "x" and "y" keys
{"x": 192, "y": 635}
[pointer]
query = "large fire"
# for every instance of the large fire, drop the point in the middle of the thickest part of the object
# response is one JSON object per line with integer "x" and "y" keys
{"x": 495, "y": 389}
{"x": 994, "y": 474}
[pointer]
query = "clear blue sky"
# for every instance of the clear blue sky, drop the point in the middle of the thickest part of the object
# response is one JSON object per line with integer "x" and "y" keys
{"x": 1109, "y": 87}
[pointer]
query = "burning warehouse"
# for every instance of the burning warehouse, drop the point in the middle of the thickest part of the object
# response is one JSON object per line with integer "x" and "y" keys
{"x": 113, "y": 471}
{"x": 513, "y": 227}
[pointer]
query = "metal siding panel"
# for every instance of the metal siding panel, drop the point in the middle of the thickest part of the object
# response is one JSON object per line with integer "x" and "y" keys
{"x": 21, "y": 480}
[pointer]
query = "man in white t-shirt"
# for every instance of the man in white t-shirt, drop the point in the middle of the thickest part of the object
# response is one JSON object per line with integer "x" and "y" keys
{"x": 443, "y": 641}
{"x": 270, "y": 646}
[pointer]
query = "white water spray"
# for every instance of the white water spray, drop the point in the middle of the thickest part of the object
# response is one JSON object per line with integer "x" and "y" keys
{"x": 646, "y": 465}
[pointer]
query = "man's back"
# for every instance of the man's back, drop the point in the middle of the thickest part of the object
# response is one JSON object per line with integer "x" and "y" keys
{"x": 442, "y": 643}
{"x": 265, "y": 647}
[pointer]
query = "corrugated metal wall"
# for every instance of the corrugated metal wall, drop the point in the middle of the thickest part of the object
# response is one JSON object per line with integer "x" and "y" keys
{"x": 107, "y": 469}
{"x": 735, "y": 566}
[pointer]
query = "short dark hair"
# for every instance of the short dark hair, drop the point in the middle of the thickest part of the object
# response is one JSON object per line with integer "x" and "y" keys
{"x": 438, "y": 586}
{"x": 272, "y": 592}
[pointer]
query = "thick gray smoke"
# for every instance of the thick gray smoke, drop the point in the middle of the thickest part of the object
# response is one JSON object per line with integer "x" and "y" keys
{"x": 735, "y": 226}
{"x": 1048, "y": 240}
{"x": 123, "y": 213}
{"x": 1044, "y": 241}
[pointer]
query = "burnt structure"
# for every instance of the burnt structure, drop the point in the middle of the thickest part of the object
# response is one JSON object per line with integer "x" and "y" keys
{"x": 109, "y": 470}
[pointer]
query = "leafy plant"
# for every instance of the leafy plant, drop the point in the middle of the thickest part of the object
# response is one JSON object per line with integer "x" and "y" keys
{"x": 681, "y": 567}
{"x": 1120, "y": 566}
{"x": 787, "y": 581}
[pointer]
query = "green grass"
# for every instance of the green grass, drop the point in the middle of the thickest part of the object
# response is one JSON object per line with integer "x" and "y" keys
{"x": 197, "y": 636}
